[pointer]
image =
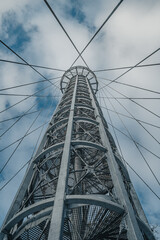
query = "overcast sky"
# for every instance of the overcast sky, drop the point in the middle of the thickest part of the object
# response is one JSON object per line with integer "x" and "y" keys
{"x": 130, "y": 35}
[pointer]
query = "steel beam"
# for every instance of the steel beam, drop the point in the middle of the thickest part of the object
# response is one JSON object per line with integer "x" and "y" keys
{"x": 56, "y": 225}
{"x": 133, "y": 232}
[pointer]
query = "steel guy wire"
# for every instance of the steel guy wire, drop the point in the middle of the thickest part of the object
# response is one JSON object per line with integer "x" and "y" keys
{"x": 129, "y": 164}
{"x": 22, "y": 137}
{"x": 19, "y": 119}
{"x": 137, "y": 98}
{"x": 9, "y": 119}
{"x": 55, "y": 16}
{"x": 155, "y": 155}
{"x": 35, "y": 147}
{"x": 15, "y": 175}
{"x": 120, "y": 68}
{"x": 133, "y": 67}
{"x": 25, "y": 61}
{"x": 127, "y": 110}
{"x": 80, "y": 54}
{"x": 141, "y": 155}
{"x": 27, "y": 84}
{"x": 134, "y": 102}
{"x": 124, "y": 115}
{"x": 35, "y": 189}
{"x": 134, "y": 117}
{"x": 24, "y": 99}
{"x": 26, "y": 95}
{"x": 129, "y": 85}
{"x": 113, "y": 128}
{"x": 23, "y": 164}
{"x": 133, "y": 168}
{"x": 33, "y": 65}
{"x": 19, "y": 142}
{"x": 142, "y": 180}
{"x": 10, "y": 127}
{"x": 19, "y": 139}
{"x": 135, "y": 144}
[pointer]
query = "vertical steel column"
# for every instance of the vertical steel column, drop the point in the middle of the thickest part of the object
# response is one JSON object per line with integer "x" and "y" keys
{"x": 56, "y": 225}
{"x": 134, "y": 232}
{"x": 137, "y": 204}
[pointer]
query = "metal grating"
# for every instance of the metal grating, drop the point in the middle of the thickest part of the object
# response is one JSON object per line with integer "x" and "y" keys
{"x": 39, "y": 232}
{"x": 92, "y": 222}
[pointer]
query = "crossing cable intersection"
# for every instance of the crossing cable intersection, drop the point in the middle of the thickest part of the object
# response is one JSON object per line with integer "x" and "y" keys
{"x": 124, "y": 115}
{"x": 55, "y": 16}
{"x": 142, "y": 155}
{"x": 151, "y": 54}
{"x": 130, "y": 85}
{"x": 42, "y": 126}
{"x": 106, "y": 20}
{"x": 33, "y": 65}
{"x": 132, "y": 114}
{"x": 126, "y": 161}
{"x": 150, "y": 188}
{"x": 25, "y": 62}
{"x": 27, "y": 84}
{"x": 20, "y": 141}
{"x": 126, "y": 67}
{"x": 24, "y": 99}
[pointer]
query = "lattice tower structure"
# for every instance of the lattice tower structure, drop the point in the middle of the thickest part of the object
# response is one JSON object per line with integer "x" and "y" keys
{"x": 77, "y": 186}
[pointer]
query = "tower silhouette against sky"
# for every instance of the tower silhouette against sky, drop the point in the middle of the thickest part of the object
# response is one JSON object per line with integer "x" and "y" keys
{"x": 77, "y": 186}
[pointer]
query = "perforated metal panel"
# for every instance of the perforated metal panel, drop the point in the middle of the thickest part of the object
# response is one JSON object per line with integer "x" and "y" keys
{"x": 39, "y": 232}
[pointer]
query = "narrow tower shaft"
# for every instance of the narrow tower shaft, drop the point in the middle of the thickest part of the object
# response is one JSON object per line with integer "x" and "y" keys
{"x": 77, "y": 187}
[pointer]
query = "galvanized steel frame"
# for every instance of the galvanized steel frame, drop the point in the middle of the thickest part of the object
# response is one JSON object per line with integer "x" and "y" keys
{"x": 61, "y": 151}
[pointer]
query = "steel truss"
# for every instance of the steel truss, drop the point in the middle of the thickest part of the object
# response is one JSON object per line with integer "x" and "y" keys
{"x": 77, "y": 187}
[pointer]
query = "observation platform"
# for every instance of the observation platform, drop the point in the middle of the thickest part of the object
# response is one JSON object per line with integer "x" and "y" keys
{"x": 79, "y": 70}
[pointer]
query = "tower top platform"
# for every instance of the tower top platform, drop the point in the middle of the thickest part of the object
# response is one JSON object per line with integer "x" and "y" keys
{"x": 79, "y": 70}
